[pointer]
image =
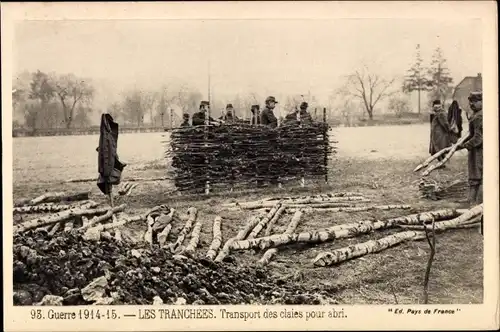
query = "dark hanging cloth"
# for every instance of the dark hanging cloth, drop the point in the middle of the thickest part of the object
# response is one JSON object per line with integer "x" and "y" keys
{"x": 109, "y": 166}
{"x": 455, "y": 121}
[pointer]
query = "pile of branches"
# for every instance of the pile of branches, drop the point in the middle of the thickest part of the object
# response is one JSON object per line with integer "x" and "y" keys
{"x": 435, "y": 190}
{"x": 239, "y": 154}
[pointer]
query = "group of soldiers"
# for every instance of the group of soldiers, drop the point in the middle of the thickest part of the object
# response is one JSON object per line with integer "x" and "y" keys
{"x": 265, "y": 117}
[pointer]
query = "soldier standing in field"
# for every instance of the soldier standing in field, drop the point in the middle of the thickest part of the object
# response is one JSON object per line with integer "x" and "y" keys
{"x": 185, "y": 120}
{"x": 199, "y": 117}
{"x": 229, "y": 117}
{"x": 474, "y": 145}
{"x": 267, "y": 116}
{"x": 299, "y": 116}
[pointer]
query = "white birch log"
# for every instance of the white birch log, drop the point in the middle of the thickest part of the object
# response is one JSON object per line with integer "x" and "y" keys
{"x": 432, "y": 158}
{"x": 162, "y": 236}
{"x": 41, "y": 208}
{"x": 192, "y": 212}
{"x": 54, "y": 197}
{"x": 217, "y": 239}
{"x": 268, "y": 255}
{"x": 195, "y": 238}
{"x": 99, "y": 219}
{"x": 60, "y": 216}
{"x": 254, "y": 220}
{"x": 361, "y": 249}
{"x": 269, "y": 204}
{"x": 341, "y": 231}
{"x": 290, "y": 199}
{"x": 450, "y": 153}
{"x": 355, "y": 209}
{"x": 263, "y": 222}
{"x": 273, "y": 221}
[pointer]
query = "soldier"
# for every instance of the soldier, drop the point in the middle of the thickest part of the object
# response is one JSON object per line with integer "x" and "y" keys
{"x": 185, "y": 120}
{"x": 474, "y": 145}
{"x": 199, "y": 117}
{"x": 267, "y": 116}
{"x": 440, "y": 130}
{"x": 255, "y": 114}
{"x": 229, "y": 117}
{"x": 301, "y": 116}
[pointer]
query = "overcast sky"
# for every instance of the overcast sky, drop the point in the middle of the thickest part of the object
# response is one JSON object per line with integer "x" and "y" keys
{"x": 275, "y": 57}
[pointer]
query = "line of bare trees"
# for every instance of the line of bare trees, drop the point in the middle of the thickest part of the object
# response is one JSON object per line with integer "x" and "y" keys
{"x": 43, "y": 100}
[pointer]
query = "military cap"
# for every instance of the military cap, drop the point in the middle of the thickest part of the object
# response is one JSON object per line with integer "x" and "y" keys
{"x": 436, "y": 102}
{"x": 304, "y": 105}
{"x": 255, "y": 107}
{"x": 271, "y": 99}
{"x": 204, "y": 102}
{"x": 476, "y": 96}
{"x": 229, "y": 106}
{"x": 185, "y": 115}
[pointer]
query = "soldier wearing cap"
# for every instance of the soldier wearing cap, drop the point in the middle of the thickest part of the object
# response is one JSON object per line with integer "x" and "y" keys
{"x": 267, "y": 116}
{"x": 229, "y": 117}
{"x": 199, "y": 117}
{"x": 255, "y": 109}
{"x": 299, "y": 116}
{"x": 185, "y": 120}
{"x": 474, "y": 145}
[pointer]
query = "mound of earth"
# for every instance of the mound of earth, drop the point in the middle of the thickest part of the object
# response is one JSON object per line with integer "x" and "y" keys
{"x": 64, "y": 265}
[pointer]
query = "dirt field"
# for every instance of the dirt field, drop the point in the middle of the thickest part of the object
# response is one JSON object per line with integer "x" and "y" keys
{"x": 361, "y": 165}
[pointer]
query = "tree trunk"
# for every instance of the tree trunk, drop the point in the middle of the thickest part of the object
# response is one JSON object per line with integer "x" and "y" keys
{"x": 42, "y": 208}
{"x": 361, "y": 249}
{"x": 162, "y": 236}
{"x": 217, "y": 241}
{"x": 269, "y": 204}
{"x": 263, "y": 222}
{"x": 268, "y": 255}
{"x": 195, "y": 239}
{"x": 341, "y": 231}
{"x": 418, "y": 90}
{"x": 240, "y": 236}
{"x": 101, "y": 218}
{"x": 354, "y": 209}
{"x": 54, "y": 197}
{"x": 370, "y": 113}
{"x": 187, "y": 227}
{"x": 275, "y": 218}
{"x": 61, "y": 216}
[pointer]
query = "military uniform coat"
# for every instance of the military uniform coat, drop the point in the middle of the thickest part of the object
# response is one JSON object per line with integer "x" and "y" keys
{"x": 305, "y": 118}
{"x": 475, "y": 146}
{"x": 199, "y": 119}
{"x": 268, "y": 118}
{"x": 440, "y": 133}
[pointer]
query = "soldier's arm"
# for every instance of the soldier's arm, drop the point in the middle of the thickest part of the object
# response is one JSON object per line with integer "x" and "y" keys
{"x": 273, "y": 119}
{"x": 443, "y": 121}
{"x": 476, "y": 140}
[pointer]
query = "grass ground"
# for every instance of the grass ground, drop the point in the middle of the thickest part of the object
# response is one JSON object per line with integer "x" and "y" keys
{"x": 393, "y": 275}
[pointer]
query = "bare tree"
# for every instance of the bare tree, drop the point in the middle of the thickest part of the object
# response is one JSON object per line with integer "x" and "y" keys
{"x": 370, "y": 88}
{"x": 41, "y": 90}
{"x": 72, "y": 90}
{"x": 398, "y": 104}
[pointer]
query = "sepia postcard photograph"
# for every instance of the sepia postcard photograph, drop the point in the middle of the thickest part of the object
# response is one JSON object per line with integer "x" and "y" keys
{"x": 250, "y": 165}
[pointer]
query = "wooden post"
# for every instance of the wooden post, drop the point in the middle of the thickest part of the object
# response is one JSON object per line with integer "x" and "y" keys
{"x": 325, "y": 142}
{"x": 316, "y": 113}
{"x": 207, "y": 164}
{"x": 171, "y": 119}
{"x": 302, "y": 180}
